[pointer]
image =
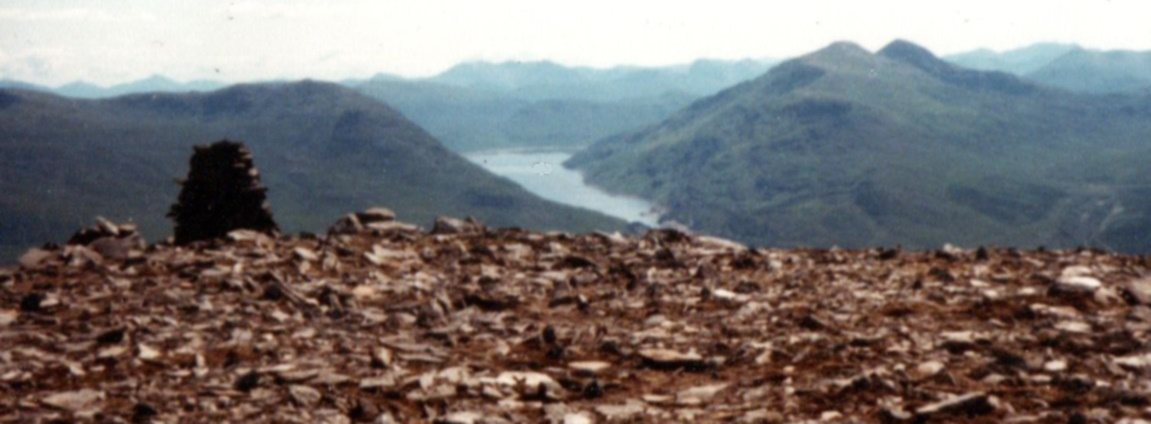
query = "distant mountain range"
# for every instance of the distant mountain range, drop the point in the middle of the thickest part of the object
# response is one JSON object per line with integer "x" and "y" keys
{"x": 1068, "y": 66}
{"x": 1020, "y": 61}
{"x": 481, "y": 105}
{"x": 845, "y": 147}
{"x": 1093, "y": 71}
{"x": 323, "y": 150}
{"x": 468, "y": 119}
{"x": 153, "y": 84}
{"x": 548, "y": 81}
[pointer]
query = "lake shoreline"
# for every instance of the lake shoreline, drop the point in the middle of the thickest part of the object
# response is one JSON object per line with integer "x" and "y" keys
{"x": 540, "y": 171}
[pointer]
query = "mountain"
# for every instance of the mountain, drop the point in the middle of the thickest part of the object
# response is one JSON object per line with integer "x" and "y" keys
{"x": 82, "y": 90}
{"x": 508, "y": 76}
{"x": 551, "y": 81}
{"x": 483, "y": 105}
{"x": 468, "y": 119}
{"x": 845, "y": 147}
{"x": 1021, "y": 61}
{"x": 20, "y": 85}
{"x": 322, "y": 150}
{"x": 152, "y": 84}
{"x": 1094, "y": 71}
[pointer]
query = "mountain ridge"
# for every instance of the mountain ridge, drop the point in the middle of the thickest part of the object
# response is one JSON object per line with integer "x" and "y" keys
{"x": 844, "y": 147}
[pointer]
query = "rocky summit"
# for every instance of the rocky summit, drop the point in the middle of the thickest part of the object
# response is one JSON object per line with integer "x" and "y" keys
{"x": 383, "y": 322}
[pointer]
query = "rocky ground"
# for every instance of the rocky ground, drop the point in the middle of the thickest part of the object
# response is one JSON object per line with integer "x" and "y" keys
{"x": 381, "y": 322}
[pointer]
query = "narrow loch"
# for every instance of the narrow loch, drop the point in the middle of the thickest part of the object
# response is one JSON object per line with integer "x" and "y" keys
{"x": 542, "y": 173}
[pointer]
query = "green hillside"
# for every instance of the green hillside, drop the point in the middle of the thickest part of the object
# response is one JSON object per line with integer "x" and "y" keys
{"x": 323, "y": 150}
{"x": 845, "y": 147}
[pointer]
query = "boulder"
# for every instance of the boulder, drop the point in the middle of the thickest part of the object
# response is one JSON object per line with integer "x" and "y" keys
{"x": 110, "y": 240}
{"x": 449, "y": 225}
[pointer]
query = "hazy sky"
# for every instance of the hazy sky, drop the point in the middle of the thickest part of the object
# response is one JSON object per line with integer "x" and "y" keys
{"x": 111, "y": 41}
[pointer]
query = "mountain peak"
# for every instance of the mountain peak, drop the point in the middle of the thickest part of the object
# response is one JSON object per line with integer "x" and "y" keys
{"x": 913, "y": 54}
{"x": 838, "y": 54}
{"x": 919, "y": 57}
{"x": 842, "y": 48}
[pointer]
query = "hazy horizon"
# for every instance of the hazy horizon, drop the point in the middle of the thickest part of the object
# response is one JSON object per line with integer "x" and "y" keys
{"x": 60, "y": 41}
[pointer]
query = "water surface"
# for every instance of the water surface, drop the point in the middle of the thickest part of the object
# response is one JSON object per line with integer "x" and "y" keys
{"x": 542, "y": 173}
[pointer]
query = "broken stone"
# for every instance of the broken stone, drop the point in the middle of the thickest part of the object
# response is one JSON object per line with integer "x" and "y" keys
{"x": 1073, "y": 326}
{"x": 1055, "y": 366}
{"x": 375, "y": 382}
{"x": 449, "y": 225}
{"x": 971, "y": 404}
{"x": 304, "y": 395}
{"x": 466, "y": 417}
{"x": 375, "y": 214}
{"x": 306, "y": 254}
{"x": 349, "y": 224}
{"x": 8, "y": 316}
{"x": 621, "y": 412}
{"x": 34, "y": 257}
{"x": 588, "y": 368}
{"x": 381, "y": 357}
{"x": 663, "y": 358}
{"x": 699, "y": 395}
{"x": 147, "y": 353}
{"x": 577, "y": 418}
{"x": 1076, "y": 284}
{"x": 527, "y": 379}
{"x": 1137, "y": 292}
{"x": 1135, "y": 362}
{"x": 75, "y": 401}
{"x": 927, "y": 370}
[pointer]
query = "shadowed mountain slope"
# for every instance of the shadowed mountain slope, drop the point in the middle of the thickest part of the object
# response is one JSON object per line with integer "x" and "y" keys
{"x": 322, "y": 150}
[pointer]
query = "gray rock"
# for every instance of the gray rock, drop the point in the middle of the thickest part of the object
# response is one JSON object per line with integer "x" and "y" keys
{"x": 376, "y": 214}
{"x": 449, "y": 225}
{"x": 971, "y": 404}
{"x": 304, "y": 395}
{"x": 76, "y": 401}
{"x": 348, "y": 224}
{"x": 1138, "y": 292}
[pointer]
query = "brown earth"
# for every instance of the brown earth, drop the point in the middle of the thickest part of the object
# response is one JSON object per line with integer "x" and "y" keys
{"x": 380, "y": 322}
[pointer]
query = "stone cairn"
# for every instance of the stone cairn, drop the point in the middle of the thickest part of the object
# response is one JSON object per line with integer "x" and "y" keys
{"x": 222, "y": 193}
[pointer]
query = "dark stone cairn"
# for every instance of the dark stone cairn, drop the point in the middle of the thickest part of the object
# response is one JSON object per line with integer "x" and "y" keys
{"x": 222, "y": 193}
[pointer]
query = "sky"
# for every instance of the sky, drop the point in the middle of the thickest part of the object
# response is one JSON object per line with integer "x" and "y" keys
{"x": 53, "y": 42}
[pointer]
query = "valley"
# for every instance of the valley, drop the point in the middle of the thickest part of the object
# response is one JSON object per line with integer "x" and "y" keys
{"x": 541, "y": 172}
{"x": 840, "y": 147}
